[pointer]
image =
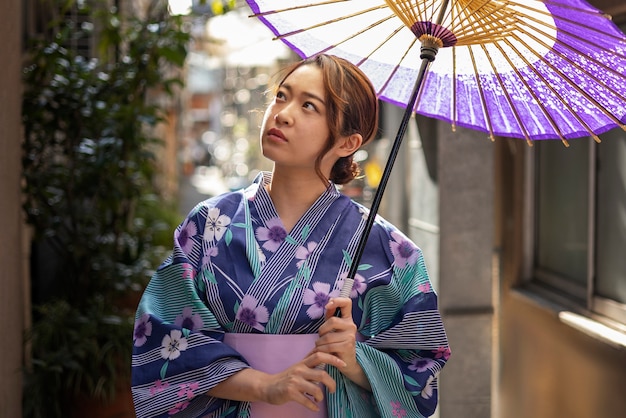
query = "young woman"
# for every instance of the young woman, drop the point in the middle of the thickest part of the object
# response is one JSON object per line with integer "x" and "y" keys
{"x": 239, "y": 320}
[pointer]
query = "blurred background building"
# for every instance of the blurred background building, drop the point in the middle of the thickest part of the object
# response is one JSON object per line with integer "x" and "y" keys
{"x": 525, "y": 245}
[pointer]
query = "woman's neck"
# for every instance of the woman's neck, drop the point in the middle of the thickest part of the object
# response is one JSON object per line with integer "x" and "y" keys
{"x": 293, "y": 195}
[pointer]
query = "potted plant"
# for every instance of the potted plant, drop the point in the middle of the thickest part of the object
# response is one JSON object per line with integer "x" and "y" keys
{"x": 98, "y": 221}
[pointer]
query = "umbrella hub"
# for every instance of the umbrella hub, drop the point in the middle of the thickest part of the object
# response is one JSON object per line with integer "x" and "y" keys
{"x": 430, "y": 47}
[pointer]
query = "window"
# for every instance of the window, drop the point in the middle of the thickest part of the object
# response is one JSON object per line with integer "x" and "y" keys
{"x": 579, "y": 218}
{"x": 580, "y": 222}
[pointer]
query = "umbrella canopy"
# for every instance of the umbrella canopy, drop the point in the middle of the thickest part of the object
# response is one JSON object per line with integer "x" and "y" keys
{"x": 532, "y": 69}
{"x": 553, "y": 69}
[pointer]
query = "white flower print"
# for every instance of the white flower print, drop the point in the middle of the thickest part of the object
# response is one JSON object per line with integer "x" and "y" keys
{"x": 318, "y": 298}
{"x": 173, "y": 344}
{"x": 251, "y": 314}
{"x": 429, "y": 387}
{"x": 216, "y": 225}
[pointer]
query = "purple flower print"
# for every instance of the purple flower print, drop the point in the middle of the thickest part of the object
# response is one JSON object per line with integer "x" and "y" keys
{"x": 318, "y": 298}
{"x": 173, "y": 344}
{"x": 398, "y": 411}
{"x": 429, "y": 388}
{"x": 358, "y": 286}
{"x": 187, "y": 230}
{"x": 143, "y": 329}
{"x": 251, "y": 314}
{"x": 189, "y": 320}
{"x": 273, "y": 235}
{"x": 303, "y": 252}
{"x": 209, "y": 253}
{"x": 404, "y": 251}
{"x": 421, "y": 364}
{"x": 442, "y": 352}
{"x": 216, "y": 225}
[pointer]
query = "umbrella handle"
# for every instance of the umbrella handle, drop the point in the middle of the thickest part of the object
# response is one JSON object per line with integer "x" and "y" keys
{"x": 428, "y": 55}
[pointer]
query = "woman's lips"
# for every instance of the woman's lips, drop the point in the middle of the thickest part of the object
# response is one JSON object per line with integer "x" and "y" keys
{"x": 276, "y": 134}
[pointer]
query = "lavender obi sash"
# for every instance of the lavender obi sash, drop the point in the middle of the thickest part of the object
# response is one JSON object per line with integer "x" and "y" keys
{"x": 272, "y": 353}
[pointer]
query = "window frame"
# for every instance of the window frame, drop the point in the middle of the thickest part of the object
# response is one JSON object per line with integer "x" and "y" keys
{"x": 548, "y": 285}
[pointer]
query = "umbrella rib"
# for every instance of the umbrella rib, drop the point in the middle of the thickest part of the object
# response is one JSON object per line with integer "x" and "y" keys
{"x": 538, "y": 74}
{"x": 481, "y": 93}
{"x": 573, "y": 22}
{"x": 576, "y": 87}
{"x": 580, "y": 67}
{"x": 302, "y": 6}
{"x": 354, "y": 35}
{"x": 532, "y": 92}
{"x": 516, "y": 113}
{"x": 328, "y": 22}
{"x": 571, "y": 48}
{"x": 395, "y": 69}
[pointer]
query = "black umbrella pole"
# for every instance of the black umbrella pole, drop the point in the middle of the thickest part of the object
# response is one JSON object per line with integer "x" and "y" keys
{"x": 427, "y": 58}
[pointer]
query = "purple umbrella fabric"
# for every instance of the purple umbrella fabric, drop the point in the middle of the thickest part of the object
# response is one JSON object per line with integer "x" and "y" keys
{"x": 553, "y": 69}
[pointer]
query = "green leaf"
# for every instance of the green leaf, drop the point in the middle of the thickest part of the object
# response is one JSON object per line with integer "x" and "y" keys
{"x": 411, "y": 381}
{"x": 347, "y": 258}
{"x": 290, "y": 240}
{"x": 364, "y": 267}
{"x": 228, "y": 237}
{"x": 164, "y": 369}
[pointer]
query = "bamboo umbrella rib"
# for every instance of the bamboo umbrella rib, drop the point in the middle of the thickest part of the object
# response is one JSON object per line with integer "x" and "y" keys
{"x": 397, "y": 66}
{"x": 596, "y": 29}
{"x": 596, "y": 13}
{"x": 454, "y": 103}
{"x": 549, "y": 86}
{"x": 354, "y": 35}
{"x": 580, "y": 67}
{"x": 302, "y": 6}
{"x": 481, "y": 93}
{"x": 327, "y": 22}
{"x": 577, "y": 88}
{"x": 387, "y": 39}
{"x": 530, "y": 91}
{"x": 507, "y": 95}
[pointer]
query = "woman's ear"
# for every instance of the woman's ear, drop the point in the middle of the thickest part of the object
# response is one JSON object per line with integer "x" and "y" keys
{"x": 349, "y": 145}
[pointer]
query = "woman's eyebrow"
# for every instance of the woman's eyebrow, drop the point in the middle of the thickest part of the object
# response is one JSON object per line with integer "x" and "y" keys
{"x": 287, "y": 87}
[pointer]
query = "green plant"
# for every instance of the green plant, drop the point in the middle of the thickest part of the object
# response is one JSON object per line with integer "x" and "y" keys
{"x": 89, "y": 195}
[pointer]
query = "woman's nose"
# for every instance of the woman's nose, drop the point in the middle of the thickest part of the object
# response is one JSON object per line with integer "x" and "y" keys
{"x": 283, "y": 117}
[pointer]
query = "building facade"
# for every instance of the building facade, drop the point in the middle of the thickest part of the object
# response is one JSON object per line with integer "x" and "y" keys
{"x": 530, "y": 273}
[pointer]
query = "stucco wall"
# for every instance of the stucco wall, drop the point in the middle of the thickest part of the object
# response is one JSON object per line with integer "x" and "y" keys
{"x": 11, "y": 251}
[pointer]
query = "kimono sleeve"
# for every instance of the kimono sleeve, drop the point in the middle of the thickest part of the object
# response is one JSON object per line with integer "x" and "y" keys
{"x": 405, "y": 345}
{"x": 177, "y": 350}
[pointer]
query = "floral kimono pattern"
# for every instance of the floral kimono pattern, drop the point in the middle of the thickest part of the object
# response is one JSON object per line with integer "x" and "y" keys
{"x": 234, "y": 268}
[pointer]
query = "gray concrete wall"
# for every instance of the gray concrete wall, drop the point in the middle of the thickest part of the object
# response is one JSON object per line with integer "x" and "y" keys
{"x": 466, "y": 286}
{"x": 12, "y": 297}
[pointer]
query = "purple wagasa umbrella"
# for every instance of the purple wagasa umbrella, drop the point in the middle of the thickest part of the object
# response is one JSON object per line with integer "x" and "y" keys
{"x": 553, "y": 69}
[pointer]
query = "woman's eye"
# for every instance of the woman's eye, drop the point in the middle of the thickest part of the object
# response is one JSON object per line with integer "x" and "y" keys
{"x": 280, "y": 95}
{"x": 310, "y": 106}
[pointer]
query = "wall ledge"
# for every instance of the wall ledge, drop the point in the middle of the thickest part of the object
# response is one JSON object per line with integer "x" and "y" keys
{"x": 598, "y": 327}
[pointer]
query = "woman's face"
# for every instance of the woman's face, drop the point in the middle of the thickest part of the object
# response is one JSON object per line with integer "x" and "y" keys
{"x": 295, "y": 129}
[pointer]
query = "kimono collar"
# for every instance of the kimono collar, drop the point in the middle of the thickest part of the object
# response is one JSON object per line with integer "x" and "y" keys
{"x": 265, "y": 177}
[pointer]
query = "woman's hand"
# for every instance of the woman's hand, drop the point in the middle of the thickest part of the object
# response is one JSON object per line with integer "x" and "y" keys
{"x": 338, "y": 337}
{"x": 300, "y": 383}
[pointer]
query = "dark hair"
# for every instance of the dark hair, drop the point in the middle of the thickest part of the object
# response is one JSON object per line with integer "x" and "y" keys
{"x": 352, "y": 107}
